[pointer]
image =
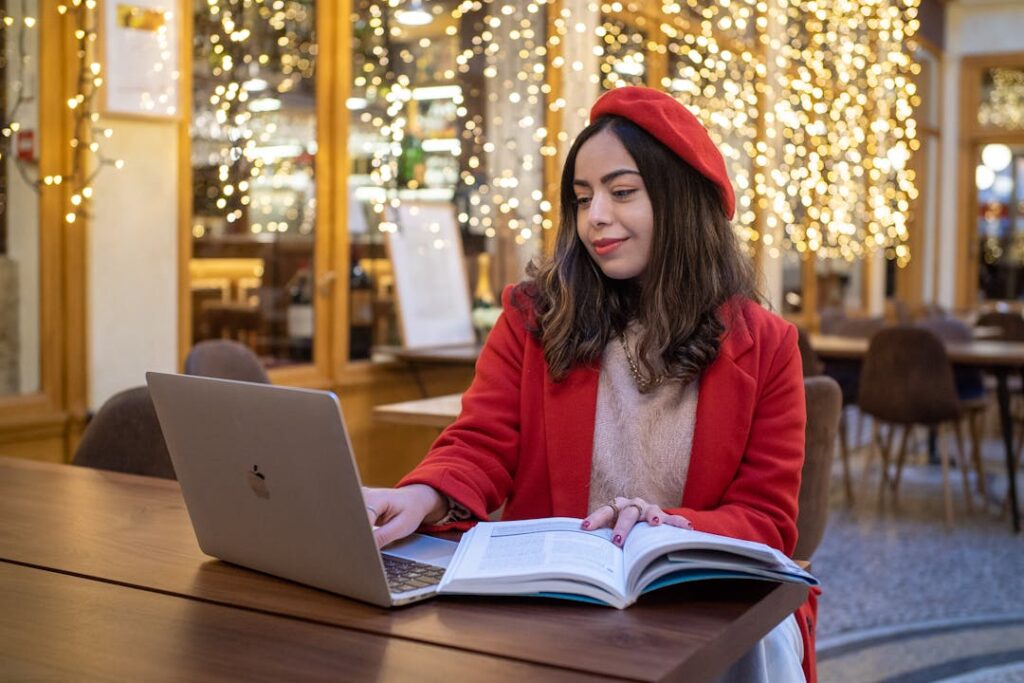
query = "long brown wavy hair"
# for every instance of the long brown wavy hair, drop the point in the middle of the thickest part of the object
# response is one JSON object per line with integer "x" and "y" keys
{"x": 695, "y": 266}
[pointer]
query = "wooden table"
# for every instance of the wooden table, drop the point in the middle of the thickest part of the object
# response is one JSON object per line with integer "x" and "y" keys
{"x": 438, "y": 412}
{"x": 1000, "y": 358}
{"x": 102, "y": 578}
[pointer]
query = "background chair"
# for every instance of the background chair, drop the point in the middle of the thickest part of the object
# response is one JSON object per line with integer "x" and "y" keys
{"x": 1012, "y": 324}
{"x": 824, "y": 404}
{"x": 907, "y": 380}
{"x": 225, "y": 359}
{"x": 811, "y": 363}
{"x": 125, "y": 436}
{"x": 847, "y": 374}
{"x": 970, "y": 387}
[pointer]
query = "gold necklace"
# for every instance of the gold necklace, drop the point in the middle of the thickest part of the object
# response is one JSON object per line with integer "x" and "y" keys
{"x": 641, "y": 383}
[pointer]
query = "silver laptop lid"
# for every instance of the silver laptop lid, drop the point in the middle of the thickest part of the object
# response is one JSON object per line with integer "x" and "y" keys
{"x": 269, "y": 481}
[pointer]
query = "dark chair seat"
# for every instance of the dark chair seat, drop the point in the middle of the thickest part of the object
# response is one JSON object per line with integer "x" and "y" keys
{"x": 225, "y": 359}
{"x": 812, "y": 364}
{"x": 906, "y": 380}
{"x": 125, "y": 436}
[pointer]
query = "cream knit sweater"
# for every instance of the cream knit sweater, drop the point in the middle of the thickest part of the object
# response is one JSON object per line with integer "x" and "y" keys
{"x": 641, "y": 441}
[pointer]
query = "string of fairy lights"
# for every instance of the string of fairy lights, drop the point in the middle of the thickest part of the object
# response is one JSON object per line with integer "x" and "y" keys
{"x": 811, "y": 103}
{"x": 390, "y": 87}
{"x": 1003, "y": 105}
{"x": 257, "y": 54}
{"x": 87, "y": 158}
{"x": 843, "y": 185}
{"x": 719, "y": 85}
{"x": 818, "y": 140}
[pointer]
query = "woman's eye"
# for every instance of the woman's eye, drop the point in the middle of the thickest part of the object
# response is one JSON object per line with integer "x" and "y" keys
{"x": 623, "y": 194}
{"x": 582, "y": 201}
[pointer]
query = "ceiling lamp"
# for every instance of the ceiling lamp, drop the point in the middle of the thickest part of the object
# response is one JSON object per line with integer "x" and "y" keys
{"x": 414, "y": 14}
{"x": 997, "y": 157}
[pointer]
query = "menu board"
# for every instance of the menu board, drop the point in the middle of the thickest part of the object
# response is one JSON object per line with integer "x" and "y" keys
{"x": 430, "y": 276}
{"x": 140, "y": 41}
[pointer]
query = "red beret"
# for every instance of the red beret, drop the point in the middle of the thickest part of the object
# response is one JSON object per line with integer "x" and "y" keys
{"x": 674, "y": 126}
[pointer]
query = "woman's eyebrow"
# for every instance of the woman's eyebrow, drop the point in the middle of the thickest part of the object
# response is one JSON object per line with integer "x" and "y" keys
{"x": 607, "y": 177}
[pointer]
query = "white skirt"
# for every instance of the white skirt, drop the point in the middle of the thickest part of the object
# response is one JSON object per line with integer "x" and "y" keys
{"x": 776, "y": 658}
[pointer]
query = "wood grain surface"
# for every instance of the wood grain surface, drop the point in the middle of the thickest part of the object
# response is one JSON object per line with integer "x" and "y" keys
{"x": 59, "y": 627}
{"x": 135, "y": 531}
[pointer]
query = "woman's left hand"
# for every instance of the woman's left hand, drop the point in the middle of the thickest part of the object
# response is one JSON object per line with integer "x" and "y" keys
{"x": 625, "y": 513}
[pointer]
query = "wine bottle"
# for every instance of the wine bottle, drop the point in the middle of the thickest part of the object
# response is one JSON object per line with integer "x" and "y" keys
{"x": 485, "y": 304}
{"x": 299, "y": 314}
{"x": 411, "y": 164}
{"x": 360, "y": 289}
{"x": 484, "y": 297}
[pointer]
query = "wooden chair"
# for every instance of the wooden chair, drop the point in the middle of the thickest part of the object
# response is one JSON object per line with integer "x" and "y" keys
{"x": 824, "y": 404}
{"x": 907, "y": 380}
{"x": 225, "y": 359}
{"x": 970, "y": 388}
{"x": 125, "y": 436}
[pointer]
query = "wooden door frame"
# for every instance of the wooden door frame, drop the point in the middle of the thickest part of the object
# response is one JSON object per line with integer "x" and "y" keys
{"x": 55, "y": 414}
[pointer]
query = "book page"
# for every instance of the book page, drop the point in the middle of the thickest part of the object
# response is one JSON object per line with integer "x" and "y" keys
{"x": 515, "y": 552}
{"x": 646, "y": 543}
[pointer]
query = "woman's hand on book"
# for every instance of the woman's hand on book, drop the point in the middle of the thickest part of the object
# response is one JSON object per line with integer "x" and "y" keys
{"x": 624, "y": 513}
{"x": 401, "y": 511}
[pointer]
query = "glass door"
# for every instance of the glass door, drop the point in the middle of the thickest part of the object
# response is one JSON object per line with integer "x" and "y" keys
{"x": 20, "y": 363}
{"x": 255, "y": 170}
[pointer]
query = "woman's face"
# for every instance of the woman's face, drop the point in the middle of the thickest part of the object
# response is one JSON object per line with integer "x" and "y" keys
{"x": 614, "y": 218}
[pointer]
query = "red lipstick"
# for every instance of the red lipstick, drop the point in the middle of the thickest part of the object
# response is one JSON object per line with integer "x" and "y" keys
{"x": 607, "y": 245}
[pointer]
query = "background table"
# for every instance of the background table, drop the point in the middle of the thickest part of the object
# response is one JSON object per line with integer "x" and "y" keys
{"x": 439, "y": 411}
{"x": 125, "y": 551}
{"x": 996, "y": 357}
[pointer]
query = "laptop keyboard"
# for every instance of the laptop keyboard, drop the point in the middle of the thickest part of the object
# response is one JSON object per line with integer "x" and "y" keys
{"x": 406, "y": 575}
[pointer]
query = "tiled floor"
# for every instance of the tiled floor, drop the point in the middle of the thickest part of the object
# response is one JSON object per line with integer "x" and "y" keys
{"x": 905, "y": 600}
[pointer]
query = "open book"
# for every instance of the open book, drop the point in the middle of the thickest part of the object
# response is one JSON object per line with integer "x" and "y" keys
{"x": 556, "y": 558}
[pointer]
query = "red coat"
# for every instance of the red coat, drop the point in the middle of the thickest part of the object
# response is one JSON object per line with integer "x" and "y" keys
{"x": 527, "y": 441}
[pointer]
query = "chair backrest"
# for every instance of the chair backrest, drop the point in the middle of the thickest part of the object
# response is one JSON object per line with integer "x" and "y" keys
{"x": 899, "y": 311}
{"x": 125, "y": 436}
{"x": 933, "y": 310}
{"x": 811, "y": 363}
{"x": 862, "y": 328}
{"x": 829, "y": 318}
{"x": 948, "y": 329}
{"x": 907, "y": 378}
{"x": 824, "y": 404}
{"x": 1012, "y": 324}
{"x": 225, "y": 359}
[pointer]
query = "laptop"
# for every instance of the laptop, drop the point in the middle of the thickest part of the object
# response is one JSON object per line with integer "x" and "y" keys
{"x": 270, "y": 483}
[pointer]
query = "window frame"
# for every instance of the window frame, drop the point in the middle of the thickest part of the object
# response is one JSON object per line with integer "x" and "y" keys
{"x": 973, "y": 136}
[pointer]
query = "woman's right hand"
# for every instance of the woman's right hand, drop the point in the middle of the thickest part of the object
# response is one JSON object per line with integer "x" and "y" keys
{"x": 401, "y": 511}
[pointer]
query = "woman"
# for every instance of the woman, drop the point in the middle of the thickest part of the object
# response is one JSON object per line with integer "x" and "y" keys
{"x": 634, "y": 377}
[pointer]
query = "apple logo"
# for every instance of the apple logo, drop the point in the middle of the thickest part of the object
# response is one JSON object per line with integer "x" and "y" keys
{"x": 258, "y": 482}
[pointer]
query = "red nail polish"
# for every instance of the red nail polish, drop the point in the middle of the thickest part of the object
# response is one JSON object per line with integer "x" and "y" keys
{"x": 656, "y": 520}
{"x": 586, "y": 524}
{"x": 617, "y": 540}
